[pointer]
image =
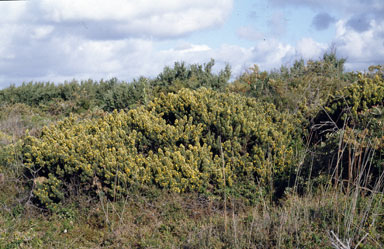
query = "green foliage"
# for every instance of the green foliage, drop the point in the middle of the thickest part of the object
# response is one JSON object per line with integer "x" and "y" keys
{"x": 354, "y": 100}
{"x": 54, "y": 99}
{"x": 126, "y": 96}
{"x": 173, "y": 143}
{"x": 78, "y": 97}
{"x": 193, "y": 76}
{"x": 303, "y": 87}
{"x": 352, "y": 121}
{"x": 75, "y": 97}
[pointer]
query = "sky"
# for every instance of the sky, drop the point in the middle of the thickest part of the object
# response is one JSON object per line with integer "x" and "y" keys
{"x": 62, "y": 40}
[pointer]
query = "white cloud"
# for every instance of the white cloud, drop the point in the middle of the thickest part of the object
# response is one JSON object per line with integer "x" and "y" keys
{"x": 12, "y": 11}
{"x": 310, "y": 49}
{"x": 359, "y": 35}
{"x": 64, "y": 39}
{"x": 29, "y": 52}
{"x": 360, "y": 48}
{"x": 41, "y": 32}
{"x": 164, "y": 18}
{"x": 271, "y": 53}
{"x": 194, "y": 48}
{"x": 266, "y": 54}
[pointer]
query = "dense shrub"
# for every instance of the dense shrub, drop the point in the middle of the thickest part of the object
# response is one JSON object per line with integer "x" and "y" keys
{"x": 192, "y": 76}
{"x": 125, "y": 96}
{"x": 354, "y": 100}
{"x": 351, "y": 127}
{"x": 77, "y": 97}
{"x": 173, "y": 143}
{"x": 303, "y": 87}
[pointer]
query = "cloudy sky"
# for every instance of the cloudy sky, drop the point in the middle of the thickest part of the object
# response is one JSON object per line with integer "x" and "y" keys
{"x": 57, "y": 40}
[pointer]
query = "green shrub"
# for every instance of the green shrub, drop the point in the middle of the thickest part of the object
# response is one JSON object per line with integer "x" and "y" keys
{"x": 173, "y": 143}
{"x": 350, "y": 127}
{"x": 125, "y": 96}
{"x": 192, "y": 76}
{"x": 304, "y": 87}
{"x": 78, "y": 97}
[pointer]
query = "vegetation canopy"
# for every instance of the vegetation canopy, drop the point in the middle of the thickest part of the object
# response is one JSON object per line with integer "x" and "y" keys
{"x": 174, "y": 142}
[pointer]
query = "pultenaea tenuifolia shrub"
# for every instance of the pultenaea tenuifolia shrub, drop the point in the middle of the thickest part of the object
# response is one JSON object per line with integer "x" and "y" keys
{"x": 173, "y": 143}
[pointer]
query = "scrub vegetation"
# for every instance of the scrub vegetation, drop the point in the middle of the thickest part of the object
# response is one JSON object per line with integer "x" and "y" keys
{"x": 291, "y": 158}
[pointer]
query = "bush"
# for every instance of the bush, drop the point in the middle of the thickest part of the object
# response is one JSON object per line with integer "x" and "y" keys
{"x": 302, "y": 87}
{"x": 78, "y": 97}
{"x": 192, "y": 76}
{"x": 173, "y": 143}
{"x": 351, "y": 127}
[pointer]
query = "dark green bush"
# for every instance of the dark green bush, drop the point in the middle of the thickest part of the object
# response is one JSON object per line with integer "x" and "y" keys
{"x": 193, "y": 76}
{"x": 78, "y": 97}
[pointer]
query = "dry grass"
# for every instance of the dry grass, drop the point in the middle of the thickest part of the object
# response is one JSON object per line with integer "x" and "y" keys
{"x": 159, "y": 219}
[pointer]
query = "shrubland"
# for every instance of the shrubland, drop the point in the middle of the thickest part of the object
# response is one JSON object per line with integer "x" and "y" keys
{"x": 288, "y": 158}
{"x": 182, "y": 142}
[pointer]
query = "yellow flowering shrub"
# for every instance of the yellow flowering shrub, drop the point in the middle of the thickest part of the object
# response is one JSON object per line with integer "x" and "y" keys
{"x": 173, "y": 143}
{"x": 353, "y": 116}
{"x": 353, "y": 101}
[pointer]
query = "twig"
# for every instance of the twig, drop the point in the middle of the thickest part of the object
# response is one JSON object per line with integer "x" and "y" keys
{"x": 362, "y": 239}
{"x": 225, "y": 195}
{"x": 337, "y": 243}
